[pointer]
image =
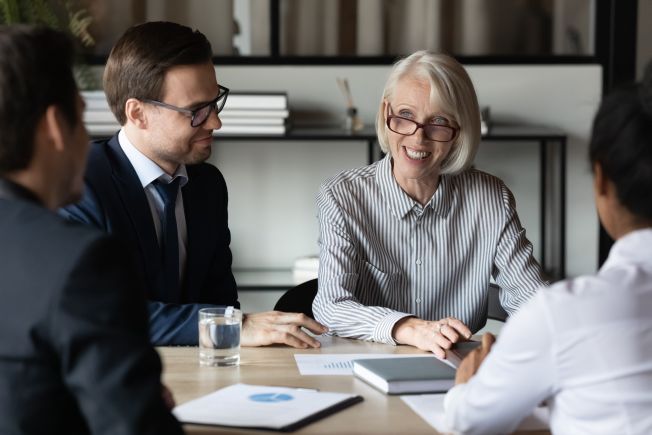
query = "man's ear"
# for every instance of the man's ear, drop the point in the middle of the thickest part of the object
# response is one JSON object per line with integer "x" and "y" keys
{"x": 135, "y": 113}
{"x": 51, "y": 128}
{"x": 600, "y": 182}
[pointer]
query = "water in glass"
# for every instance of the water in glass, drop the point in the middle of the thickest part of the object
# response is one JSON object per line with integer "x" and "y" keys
{"x": 219, "y": 341}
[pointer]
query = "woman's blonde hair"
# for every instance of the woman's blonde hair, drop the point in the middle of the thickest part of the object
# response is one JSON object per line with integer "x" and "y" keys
{"x": 452, "y": 90}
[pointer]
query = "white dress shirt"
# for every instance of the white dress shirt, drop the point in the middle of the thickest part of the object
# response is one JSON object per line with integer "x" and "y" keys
{"x": 148, "y": 172}
{"x": 383, "y": 256}
{"x": 584, "y": 345}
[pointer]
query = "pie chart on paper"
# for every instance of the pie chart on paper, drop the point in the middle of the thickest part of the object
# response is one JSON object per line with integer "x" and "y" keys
{"x": 270, "y": 397}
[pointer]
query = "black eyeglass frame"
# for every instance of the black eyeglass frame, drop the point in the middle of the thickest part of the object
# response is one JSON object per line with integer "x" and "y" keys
{"x": 217, "y": 106}
{"x": 418, "y": 125}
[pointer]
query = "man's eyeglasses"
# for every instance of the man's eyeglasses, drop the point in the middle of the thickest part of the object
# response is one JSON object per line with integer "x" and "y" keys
{"x": 407, "y": 127}
{"x": 199, "y": 115}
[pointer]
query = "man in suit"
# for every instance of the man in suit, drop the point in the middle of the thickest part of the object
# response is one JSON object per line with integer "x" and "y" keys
{"x": 150, "y": 184}
{"x": 74, "y": 350}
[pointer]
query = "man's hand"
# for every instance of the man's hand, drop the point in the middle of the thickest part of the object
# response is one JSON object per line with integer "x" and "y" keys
{"x": 270, "y": 327}
{"x": 433, "y": 336}
{"x": 472, "y": 362}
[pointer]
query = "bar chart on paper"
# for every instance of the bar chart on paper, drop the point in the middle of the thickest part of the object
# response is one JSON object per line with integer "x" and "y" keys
{"x": 339, "y": 364}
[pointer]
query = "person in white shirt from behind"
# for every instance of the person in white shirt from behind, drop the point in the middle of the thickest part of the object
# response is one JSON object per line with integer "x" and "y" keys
{"x": 585, "y": 345}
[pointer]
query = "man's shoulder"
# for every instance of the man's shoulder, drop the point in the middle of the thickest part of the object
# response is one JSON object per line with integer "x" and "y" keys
{"x": 204, "y": 169}
{"x": 100, "y": 157}
{"x": 205, "y": 175}
{"x": 32, "y": 225}
{"x": 69, "y": 231}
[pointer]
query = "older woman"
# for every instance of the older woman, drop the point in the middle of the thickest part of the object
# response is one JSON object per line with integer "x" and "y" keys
{"x": 408, "y": 244}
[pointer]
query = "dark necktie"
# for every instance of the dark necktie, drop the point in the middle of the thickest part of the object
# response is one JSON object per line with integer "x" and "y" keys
{"x": 169, "y": 238}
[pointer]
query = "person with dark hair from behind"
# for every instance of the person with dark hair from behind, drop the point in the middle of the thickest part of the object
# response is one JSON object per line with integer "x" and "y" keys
{"x": 585, "y": 345}
{"x": 150, "y": 185}
{"x": 74, "y": 350}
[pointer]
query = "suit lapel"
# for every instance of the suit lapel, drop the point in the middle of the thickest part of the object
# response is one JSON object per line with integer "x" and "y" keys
{"x": 137, "y": 208}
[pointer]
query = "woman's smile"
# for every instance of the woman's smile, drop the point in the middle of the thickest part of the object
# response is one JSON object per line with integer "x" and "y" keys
{"x": 416, "y": 155}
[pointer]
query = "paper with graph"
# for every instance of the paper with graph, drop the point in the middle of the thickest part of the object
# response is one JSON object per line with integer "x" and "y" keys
{"x": 340, "y": 363}
{"x": 262, "y": 407}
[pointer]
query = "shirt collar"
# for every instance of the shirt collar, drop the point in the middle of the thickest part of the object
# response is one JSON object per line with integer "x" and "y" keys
{"x": 634, "y": 247}
{"x": 146, "y": 169}
{"x": 400, "y": 202}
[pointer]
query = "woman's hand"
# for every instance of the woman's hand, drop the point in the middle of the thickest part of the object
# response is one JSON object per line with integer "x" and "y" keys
{"x": 433, "y": 336}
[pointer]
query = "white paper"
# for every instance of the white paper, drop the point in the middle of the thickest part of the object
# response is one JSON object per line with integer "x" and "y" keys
{"x": 340, "y": 363}
{"x": 430, "y": 407}
{"x": 243, "y": 405}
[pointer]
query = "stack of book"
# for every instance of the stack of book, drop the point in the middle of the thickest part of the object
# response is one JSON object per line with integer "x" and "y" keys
{"x": 416, "y": 375}
{"x": 405, "y": 375}
{"x": 244, "y": 113}
{"x": 98, "y": 117}
{"x": 255, "y": 113}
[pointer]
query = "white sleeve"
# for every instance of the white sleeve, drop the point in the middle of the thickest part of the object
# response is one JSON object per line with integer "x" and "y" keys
{"x": 518, "y": 374}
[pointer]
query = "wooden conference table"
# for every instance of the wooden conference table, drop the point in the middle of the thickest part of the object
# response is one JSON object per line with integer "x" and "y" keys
{"x": 275, "y": 365}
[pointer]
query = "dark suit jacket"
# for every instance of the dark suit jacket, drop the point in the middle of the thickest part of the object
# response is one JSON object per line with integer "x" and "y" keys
{"x": 115, "y": 202}
{"x": 74, "y": 351}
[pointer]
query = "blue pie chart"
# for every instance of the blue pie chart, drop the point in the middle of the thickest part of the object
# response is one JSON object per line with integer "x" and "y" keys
{"x": 270, "y": 397}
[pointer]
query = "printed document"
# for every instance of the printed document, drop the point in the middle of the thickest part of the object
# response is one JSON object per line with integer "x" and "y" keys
{"x": 262, "y": 407}
{"x": 430, "y": 407}
{"x": 340, "y": 363}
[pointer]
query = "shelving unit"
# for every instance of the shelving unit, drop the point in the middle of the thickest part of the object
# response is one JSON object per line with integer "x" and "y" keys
{"x": 552, "y": 195}
{"x": 263, "y": 279}
{"x": 324, "y": 134}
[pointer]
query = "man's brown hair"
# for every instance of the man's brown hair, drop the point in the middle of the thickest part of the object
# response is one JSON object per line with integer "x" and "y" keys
{"x": 139, "y": 60}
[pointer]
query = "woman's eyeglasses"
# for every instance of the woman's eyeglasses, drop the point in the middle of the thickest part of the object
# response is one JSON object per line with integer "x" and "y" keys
{"x": 199, "y": 115}
{"x": 408, "y": 127}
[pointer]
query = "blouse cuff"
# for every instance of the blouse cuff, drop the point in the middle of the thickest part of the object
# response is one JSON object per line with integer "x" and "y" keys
{"x": 383, "y": 330}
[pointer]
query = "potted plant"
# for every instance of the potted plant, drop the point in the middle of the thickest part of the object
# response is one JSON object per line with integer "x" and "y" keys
{"x": 63, "y": 15}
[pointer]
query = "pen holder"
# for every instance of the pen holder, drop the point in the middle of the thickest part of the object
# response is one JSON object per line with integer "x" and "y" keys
{"x": 352, "y": 122}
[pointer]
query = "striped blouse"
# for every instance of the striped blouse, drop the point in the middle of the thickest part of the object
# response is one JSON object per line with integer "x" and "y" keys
{"x": 384, "y": 256}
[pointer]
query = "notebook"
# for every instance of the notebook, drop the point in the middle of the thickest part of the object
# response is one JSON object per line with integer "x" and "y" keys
{"x": 262, "y": 407}
{"x": 405, "y": 375}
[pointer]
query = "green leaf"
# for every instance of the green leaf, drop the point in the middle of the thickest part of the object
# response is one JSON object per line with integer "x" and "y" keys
{"x": 78, "y": 24}
{"x": 9, "y": 11}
